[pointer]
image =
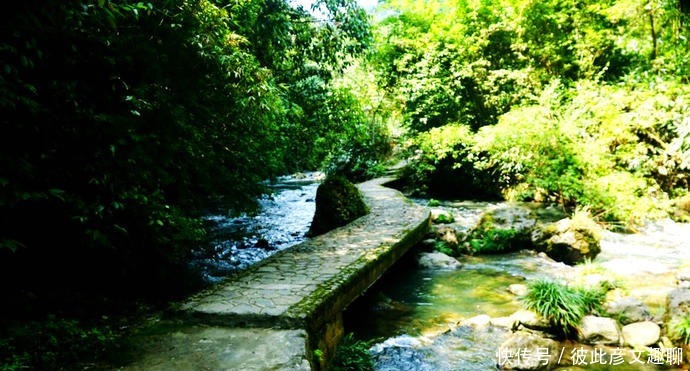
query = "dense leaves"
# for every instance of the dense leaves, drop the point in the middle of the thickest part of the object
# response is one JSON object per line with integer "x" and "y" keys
{"x": 122, "y": 120}
{"x": 578, "y": 103}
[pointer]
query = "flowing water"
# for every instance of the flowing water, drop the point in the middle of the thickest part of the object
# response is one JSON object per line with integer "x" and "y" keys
{"x": 412, "y": 314}
{"x": 282, "y": 220}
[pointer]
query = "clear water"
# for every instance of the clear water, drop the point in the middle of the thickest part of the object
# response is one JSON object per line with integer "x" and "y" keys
{"x": 282, "y": 220}
{"x": 412, "y": 313}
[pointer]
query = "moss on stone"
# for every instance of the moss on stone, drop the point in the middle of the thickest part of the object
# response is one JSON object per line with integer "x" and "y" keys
{"x": 338, "y": 202}
{"x": 487, "y": 238}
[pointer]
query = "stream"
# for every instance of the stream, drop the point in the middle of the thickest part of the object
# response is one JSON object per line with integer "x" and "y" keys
{"x": 413, "y": 315}
{"x": 281, "y": 220}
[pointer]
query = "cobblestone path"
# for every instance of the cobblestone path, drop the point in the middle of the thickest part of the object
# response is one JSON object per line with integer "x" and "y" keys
{"x": 275, "y": 306}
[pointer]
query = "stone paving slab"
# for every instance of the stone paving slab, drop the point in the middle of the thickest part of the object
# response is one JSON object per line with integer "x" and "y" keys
{"x": 274, "y": 314}
{"x": 283, "y": 290}
{"x": 214, "y": 348}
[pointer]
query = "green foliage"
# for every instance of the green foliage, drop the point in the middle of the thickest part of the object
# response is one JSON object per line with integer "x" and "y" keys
{"x": 551, "y": 101}
{"x": 495, "y": 241}
{"x": 680, "y": 331}
{"x": 433, "y": 203}
{"x": 353, "y": 355}
{"x": 124, "y": 119}
{"x": 52, "y": 343}
{"x": 622, "y": 154}
{"x": 487, "y": 239}
{"x": 445, "y": 248}
{"x": 561, "y": 305}
{"x": 444, "y": 163}
{"x": 445, "y": 219}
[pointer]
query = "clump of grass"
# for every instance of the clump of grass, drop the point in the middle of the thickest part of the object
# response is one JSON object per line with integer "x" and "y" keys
{"x": 680, "y": 330}
{"x": 561, "y": 305}
{"x": 352, "y": 355}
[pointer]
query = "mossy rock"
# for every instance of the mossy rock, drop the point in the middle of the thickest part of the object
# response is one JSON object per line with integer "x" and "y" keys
{"x": 501, "y": 230}
{"x": 571, "y": 240}
{"x": 338, "y": 202}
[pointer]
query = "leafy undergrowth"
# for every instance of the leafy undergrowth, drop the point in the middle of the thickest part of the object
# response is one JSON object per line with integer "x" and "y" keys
{"x": 353, "y": 355}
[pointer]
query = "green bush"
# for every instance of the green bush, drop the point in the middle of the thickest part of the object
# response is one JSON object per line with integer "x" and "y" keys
{"x": 561, "y": 305}
{"x": 444, "y": 163}
{"x": 622, "y": 152}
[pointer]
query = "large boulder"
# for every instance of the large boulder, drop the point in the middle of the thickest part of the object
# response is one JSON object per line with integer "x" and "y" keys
{"x": 570, "y": 240}
{"x": 598, "y": 331}
{"x": 338, "y": 202}
{"x": 437, "y": 260}
{"x": 641, "y": 334}
{"x": 511, "y": 216}
{"x": 683, "y": 277}
{"x": 523, "y": 319}
{"x": 447, "y": 235}
{"x": 628, "y": 310}
{"x": 678, "y": 304}
{"x": 544, "y": 352}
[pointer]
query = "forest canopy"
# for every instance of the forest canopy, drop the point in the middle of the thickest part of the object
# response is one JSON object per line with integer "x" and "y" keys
{"x": 581, "y": 103}
{"x": 123, "y": 120}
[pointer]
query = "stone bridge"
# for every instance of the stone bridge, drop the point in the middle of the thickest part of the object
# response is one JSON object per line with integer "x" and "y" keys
{"x": 278, "y": 313}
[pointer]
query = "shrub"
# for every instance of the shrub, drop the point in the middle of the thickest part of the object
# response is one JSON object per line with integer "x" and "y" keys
{"x": 444, "y": 163}
{"x": 494, "y": 241}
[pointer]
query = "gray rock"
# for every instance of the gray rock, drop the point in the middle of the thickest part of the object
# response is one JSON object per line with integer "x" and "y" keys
{"x": 437, "y": 260}
{"x": 678, "y": 305}
{"x": 523, "y": 319}
{"x": 683, "y": 277}
{"x": 511, "y": 216}
{"x": 598, "y": 331}
{"x": 628, "y": 310}
{"x": 518, "y": 289}
{"x": 641, "y": 334}
{"x": 679, "y": 302}
{"x": 569, "y": 240}
{"x": 525, "y": 341}
{"x": 479, "y": 321}
{"x": 448, "y": 235}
